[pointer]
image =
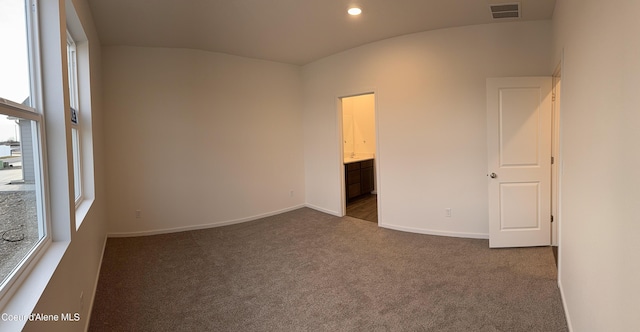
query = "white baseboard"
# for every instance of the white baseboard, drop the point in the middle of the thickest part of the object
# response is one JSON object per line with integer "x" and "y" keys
{"x": 317, "y": 208}
{"x": 95, "y": 286}
{"x": 272, "y": 213}
{"x": 204, "y": 226}
{"x": 434, "y": 232}
{"x": 564, "y": 305}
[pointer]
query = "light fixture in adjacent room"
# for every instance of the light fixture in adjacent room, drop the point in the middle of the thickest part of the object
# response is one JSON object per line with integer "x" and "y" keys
{"x": 354, "y": 11}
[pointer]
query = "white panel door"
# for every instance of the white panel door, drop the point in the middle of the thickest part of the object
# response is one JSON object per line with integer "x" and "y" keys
{"x": 519, "y": 157}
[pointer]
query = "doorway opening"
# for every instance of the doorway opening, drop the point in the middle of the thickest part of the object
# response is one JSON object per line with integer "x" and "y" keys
{"x": 359, "y": 163}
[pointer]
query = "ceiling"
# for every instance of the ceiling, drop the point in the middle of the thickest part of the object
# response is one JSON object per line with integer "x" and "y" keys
{"x": 289, "y": 31}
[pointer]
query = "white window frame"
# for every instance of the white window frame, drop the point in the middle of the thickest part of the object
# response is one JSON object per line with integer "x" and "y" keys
{"x": 81, "y": 100}
{"x": 34, "y": 113}
{"x": 72, "y": 69}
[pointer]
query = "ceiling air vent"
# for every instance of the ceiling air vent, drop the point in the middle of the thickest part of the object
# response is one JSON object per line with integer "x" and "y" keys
{"x": 506, "y": 10}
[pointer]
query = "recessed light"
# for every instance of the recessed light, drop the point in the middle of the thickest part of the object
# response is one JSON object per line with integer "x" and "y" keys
{"x": 354, "y": 11}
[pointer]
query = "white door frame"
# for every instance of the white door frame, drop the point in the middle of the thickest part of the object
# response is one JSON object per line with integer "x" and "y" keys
{"x": 557, "y": 155}
{"x": 343, "y": 195}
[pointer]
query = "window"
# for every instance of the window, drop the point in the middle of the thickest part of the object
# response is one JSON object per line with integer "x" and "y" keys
{"x": 78, "y": 71}
{"x": 23, "y": 227}
{"x": 72, "y": 67}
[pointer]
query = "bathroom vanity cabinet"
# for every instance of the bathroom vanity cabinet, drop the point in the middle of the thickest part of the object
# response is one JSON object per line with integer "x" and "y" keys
{"x": 359, "y": 178}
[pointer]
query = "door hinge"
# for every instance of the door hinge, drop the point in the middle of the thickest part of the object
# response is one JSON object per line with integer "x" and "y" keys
{"x": 553, "y": 97}
{"x": 553, "y": 160}
{"x": 552, "y": 218}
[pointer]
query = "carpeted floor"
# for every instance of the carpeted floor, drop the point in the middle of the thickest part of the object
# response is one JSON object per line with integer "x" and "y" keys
{"x": 309, "y": 271}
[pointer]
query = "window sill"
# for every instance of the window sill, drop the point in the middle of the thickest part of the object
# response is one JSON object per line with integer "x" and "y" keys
{"x": 82, "y": 210}
{"x": 24, "y": 300}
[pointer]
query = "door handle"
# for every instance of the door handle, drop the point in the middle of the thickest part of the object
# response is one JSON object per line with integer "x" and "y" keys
{"x": 493, "y": 175}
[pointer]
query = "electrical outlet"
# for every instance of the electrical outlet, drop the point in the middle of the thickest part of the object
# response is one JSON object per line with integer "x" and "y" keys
{"x": 447, "y": 212}
{"x": 291, "y": 193}
{"x": 138, "y": 214}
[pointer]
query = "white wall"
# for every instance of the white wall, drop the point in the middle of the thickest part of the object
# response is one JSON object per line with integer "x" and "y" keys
{"x": 233, "y": 126}
{"x": 78, "y": 271}
{"x": 599, "y": 221}
{"x": 431, "y": 115}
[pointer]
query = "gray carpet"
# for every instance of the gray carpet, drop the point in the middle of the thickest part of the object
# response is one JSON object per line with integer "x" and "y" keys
{"x": 309, "y": 271}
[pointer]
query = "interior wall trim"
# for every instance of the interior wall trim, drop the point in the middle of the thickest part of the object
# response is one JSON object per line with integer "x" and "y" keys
{"x": 204, "y": 226}
{"x": 436, "y": 232}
